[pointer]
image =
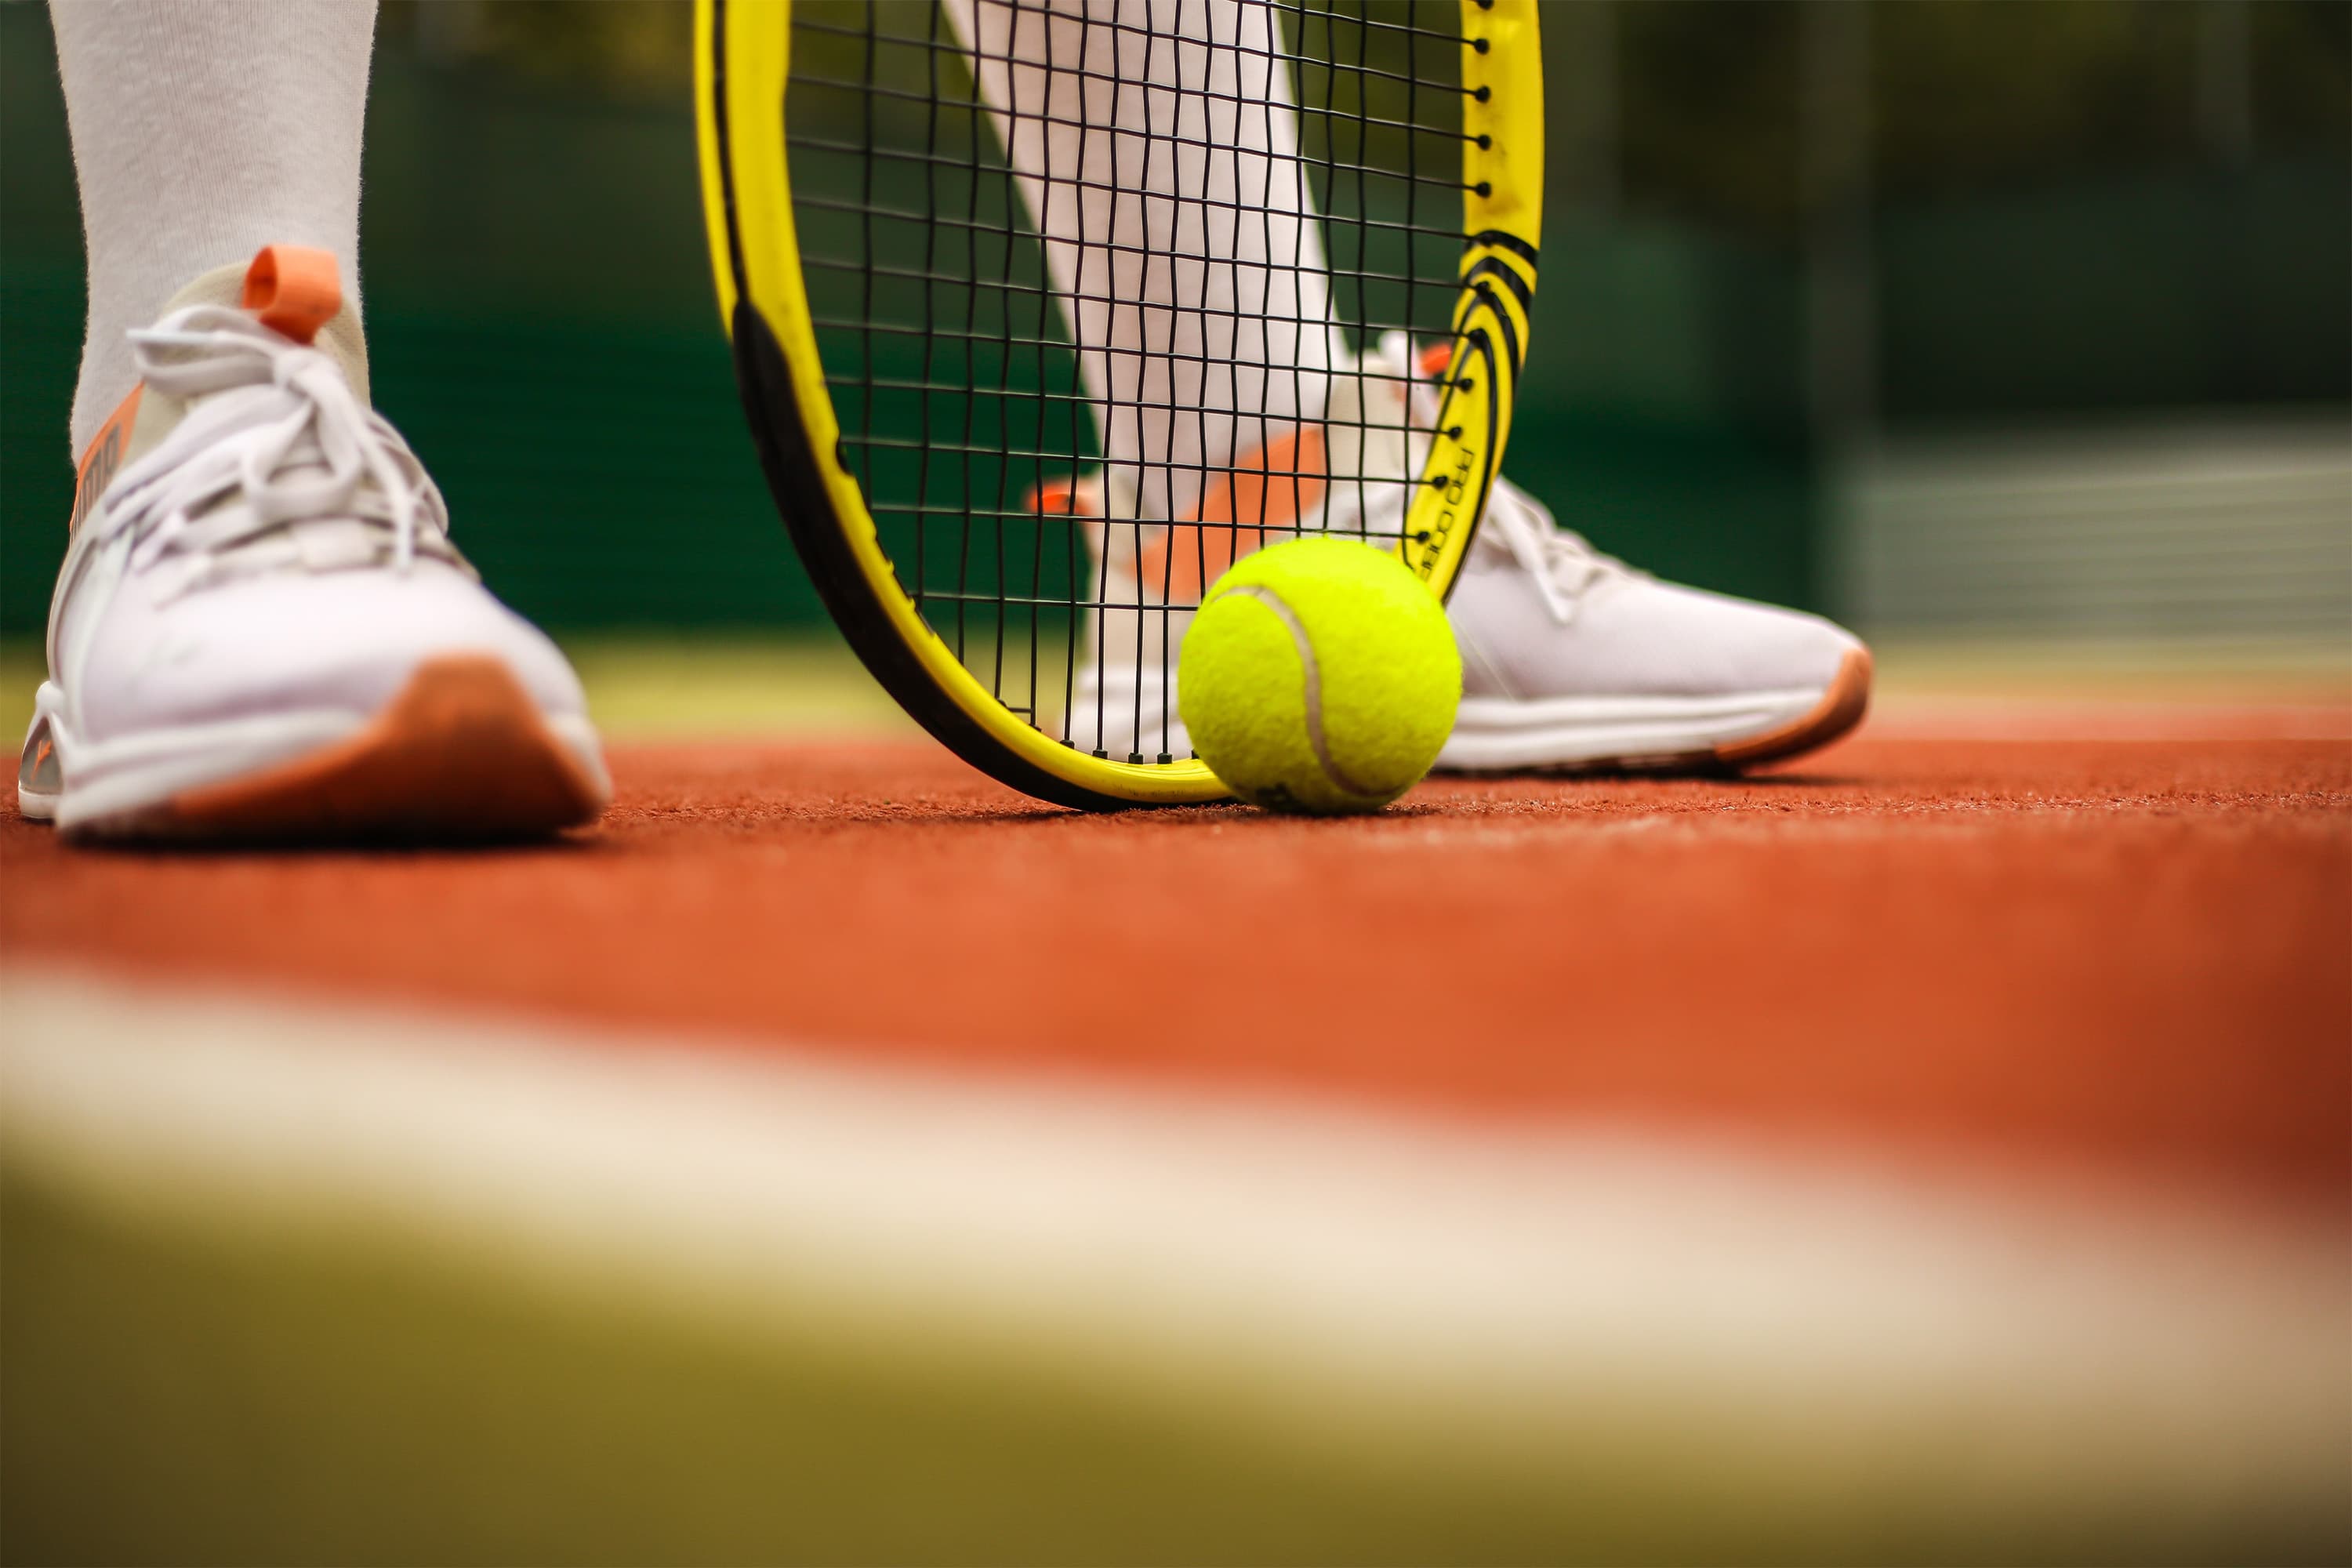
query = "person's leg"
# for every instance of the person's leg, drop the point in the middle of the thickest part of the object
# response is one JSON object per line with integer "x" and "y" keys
{"x": 1157, "y": 150}
{"x": 204, "y": 129}
{"x": 1189, "y": 285}
{"x": 262, "y": 630}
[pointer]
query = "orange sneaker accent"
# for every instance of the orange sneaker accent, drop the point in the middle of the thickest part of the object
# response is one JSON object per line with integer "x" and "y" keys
{"x": 1435, "y": 358}
{"x": 1839, "y": 710}
{"x": 1061, "y": 498}
{"x": 103, "y": 457}
{"x": 294, "y": 289}
{"x": 1271, "y": 487}
{"x": 460, "y": 754}
{"x": 1267, "y": 489}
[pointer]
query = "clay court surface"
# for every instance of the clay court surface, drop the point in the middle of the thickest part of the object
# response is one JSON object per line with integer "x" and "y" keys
{"x": 1933, "y": 1150}
{"x": 2125, "y": 955}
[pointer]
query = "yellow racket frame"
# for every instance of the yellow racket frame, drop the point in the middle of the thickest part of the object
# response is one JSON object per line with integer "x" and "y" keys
{"x": 742, "y": 61}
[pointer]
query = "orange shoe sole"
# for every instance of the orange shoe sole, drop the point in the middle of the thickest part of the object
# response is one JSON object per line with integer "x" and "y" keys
{"x": 1839, "y": 710}
{"x": 461, "y": 755}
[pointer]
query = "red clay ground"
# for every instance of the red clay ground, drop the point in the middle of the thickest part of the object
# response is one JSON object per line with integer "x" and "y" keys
{"x": 2133, "y": 957}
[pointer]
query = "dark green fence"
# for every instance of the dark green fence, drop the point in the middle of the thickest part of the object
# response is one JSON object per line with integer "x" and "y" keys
{"x": 542, "y": 326}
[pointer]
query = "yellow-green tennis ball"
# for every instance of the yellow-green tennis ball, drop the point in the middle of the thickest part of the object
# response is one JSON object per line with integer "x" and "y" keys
{"x": 1319, "y": 675}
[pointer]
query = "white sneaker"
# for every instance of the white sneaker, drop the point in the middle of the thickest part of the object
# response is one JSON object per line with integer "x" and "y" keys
{"x": 1570, "y": 659}
{"x": 262, "y": 630}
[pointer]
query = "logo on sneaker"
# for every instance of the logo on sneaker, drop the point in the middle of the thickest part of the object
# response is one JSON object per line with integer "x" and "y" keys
{"x": 104, "y": 459}
{"x": 38, "y": 770}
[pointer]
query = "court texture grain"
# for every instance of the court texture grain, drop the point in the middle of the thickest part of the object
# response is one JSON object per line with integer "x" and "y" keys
{"x": 1935, "y": 1150}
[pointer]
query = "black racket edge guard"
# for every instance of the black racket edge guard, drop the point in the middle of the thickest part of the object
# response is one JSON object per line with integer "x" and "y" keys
{"x": 798, "y": 487}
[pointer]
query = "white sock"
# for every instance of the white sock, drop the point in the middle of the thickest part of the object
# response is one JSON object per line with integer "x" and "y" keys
{"x": 1196, "y": 293}
{"x": 204, "y": 129}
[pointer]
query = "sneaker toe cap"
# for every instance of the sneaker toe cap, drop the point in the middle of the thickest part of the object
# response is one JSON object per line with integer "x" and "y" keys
{"x": 1652, "y": 638}
{"x": 1736, "y": 644}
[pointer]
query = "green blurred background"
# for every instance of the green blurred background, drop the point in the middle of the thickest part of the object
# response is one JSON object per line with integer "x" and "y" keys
{"x": 1784, "y": 237}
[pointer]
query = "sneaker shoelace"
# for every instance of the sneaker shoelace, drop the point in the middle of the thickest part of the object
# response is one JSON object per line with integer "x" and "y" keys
{"x": 1563, "y": 565}
{"x": 277, "y": 465}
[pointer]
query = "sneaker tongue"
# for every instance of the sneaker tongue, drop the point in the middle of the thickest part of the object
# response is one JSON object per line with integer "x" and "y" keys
{"x": 159, "y": 415}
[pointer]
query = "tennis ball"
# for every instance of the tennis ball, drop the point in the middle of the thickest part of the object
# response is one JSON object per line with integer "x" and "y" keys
{"x": 1319, "y": 675}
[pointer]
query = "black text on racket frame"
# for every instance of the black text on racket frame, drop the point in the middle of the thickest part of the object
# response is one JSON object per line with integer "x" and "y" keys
{"x": 744, "y": 73}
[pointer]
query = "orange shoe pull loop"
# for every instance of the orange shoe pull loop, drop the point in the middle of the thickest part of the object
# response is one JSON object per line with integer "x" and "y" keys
{"x": 294, "y": 289}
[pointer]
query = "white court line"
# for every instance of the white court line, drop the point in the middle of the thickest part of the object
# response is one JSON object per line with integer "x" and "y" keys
{"x": 1523, "y": 1279}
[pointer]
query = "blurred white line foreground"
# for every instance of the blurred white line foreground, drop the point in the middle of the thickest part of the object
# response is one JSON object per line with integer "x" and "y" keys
{"x": 1494, "y": 1297}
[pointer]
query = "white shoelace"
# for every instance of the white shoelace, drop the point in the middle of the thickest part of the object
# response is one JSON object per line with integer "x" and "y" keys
{"x": 278, "y": 465}
{"x": 1562, "y": 563}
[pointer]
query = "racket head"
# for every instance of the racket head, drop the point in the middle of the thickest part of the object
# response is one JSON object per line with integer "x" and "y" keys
{"x": 975, "y": 615}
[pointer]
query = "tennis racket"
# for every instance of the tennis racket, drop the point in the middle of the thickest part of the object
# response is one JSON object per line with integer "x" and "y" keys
{"x": 1043, "y": 311}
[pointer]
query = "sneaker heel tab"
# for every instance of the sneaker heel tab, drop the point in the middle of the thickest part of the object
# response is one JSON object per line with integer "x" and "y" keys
{"x": 294, "y": 289}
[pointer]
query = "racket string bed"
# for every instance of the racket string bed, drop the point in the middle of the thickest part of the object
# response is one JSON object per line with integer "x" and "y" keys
{"x": 1015, "y": 596}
